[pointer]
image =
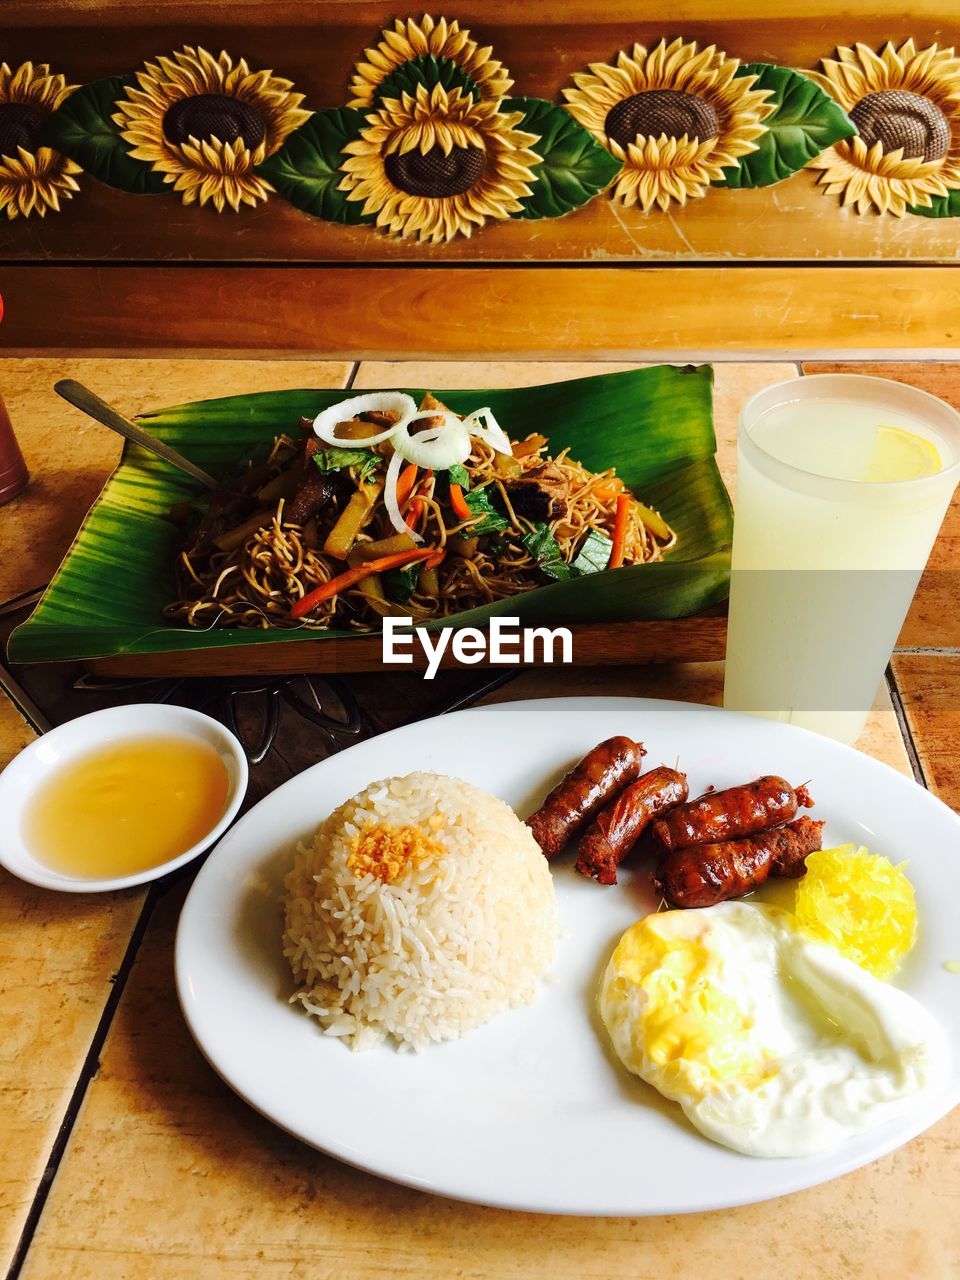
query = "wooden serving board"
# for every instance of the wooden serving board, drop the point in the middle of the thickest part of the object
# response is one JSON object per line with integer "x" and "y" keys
{"x": 701, "y": 638}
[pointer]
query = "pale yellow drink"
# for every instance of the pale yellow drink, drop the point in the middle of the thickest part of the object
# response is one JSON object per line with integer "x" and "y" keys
{"x": 842, "y": 484}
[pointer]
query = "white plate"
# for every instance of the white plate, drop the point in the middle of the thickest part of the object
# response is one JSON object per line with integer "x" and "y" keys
{"x": 530, "y": 1112}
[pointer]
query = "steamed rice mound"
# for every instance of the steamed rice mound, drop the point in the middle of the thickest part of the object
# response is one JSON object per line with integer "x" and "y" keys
{"x": 422, "y": 908}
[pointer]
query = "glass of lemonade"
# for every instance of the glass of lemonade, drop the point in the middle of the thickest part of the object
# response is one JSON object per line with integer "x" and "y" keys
{"x": 842, "y": 484}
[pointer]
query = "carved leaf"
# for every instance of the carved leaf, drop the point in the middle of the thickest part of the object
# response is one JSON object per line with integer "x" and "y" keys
{"x": 940, "y": 207}
{"x": 575, "y": 167}
{"x": 83, "y": 129}
{"x": 427, "y": 70}
{"x": 306, "y": 170}
{"x": 806, "y": 121}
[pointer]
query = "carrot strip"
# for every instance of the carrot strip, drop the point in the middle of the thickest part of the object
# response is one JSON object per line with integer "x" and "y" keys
{"x": 405, "y": 482}
{"x": 458, "y": 502}
{"x": 609, "y": 490}
{"x": 437, "y": 558}
{"x": 620, "y": 531}
{"x": 352, "y": 576}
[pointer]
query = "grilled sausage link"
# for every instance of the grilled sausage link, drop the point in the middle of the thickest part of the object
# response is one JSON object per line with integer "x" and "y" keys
{"x": 617, "y": 828}
{"x": 584, "y": 791}
{"x": 730, "y": 814}
{"x": 706, "y": 874}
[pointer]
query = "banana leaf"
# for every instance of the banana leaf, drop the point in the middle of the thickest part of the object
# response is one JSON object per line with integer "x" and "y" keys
{"x": 654, "y": 425}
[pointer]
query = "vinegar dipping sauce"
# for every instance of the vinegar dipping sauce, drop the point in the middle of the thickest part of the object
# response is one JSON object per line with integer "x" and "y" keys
{"x": 127, "y": 807}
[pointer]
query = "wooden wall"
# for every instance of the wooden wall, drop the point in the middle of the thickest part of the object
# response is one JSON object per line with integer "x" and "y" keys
{"x": 121, "y": 270}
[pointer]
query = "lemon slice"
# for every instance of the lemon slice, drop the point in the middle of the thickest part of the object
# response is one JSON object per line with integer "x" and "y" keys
{"x": 901, "y": 455}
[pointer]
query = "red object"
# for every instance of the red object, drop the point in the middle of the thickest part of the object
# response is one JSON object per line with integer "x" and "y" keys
{"x": 13, "y": 469}
{"x": 352, "y": 576}
{"x": 619, "y": 531}
{"x": 459, "y": 503}
{"x": 405, "y": 483}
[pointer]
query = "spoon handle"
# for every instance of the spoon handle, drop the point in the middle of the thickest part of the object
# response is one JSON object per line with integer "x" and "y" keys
{"x": 83, "y": 398}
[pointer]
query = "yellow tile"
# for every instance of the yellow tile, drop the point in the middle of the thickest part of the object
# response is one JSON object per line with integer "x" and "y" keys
{"x": 57, "y": 954}
{"x": 70, "y": 457}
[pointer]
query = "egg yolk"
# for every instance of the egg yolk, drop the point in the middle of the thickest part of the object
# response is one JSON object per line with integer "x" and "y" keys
{"x": 690, "y": 1029}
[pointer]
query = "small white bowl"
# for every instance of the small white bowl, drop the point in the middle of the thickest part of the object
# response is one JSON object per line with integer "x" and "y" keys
{"x": 29, "y": 770}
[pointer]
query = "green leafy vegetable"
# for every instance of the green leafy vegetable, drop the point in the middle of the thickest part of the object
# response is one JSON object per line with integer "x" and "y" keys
{"x": 459, "y": 475}
{"x": 400, "y": 584}
{"x": 478, "y": 501}
{"x": 573, "y": 168}
{"x": 306, "y": 170}
{"x": 594, "y": 555}
{"x": 336, "y": 459}
{"x": 83, "y": 128}
{"x": 805, "y": 122}
{"x": 542, "y": 545}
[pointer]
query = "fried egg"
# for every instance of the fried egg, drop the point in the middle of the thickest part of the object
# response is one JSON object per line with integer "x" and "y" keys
{"x": 773, "y": 1044}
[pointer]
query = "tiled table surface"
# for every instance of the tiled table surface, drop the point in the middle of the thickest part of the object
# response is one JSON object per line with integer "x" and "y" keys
{"x": 122, "y": 1154}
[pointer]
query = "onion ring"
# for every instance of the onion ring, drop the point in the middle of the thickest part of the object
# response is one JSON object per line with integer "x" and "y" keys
{"x": 325, "y": 424}
{"x": 390, "y": 497}
{"x": 437, "y": 449}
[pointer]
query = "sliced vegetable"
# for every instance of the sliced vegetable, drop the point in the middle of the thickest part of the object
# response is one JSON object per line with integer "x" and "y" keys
{"x": 329, "y": 460}
{"x": 363, "y": 552}
{"x": 372, "y": 589}
{"x": 506, "y": 465}
{"x": 459, "y": 503}
{"x": 620, "y": 531}
{"x": 461, "y": 546}
{"x": 608, "y": 490}
{"x": 654, "y": 521}
{"x": 459, "y": 475}
{"x": 479, "y": 504}
{"x": 483, "y": 424}
{"x": 429, "y": 583}
{"x": 238, "y": 535}
{"x": 390, "y": 499}
{"x": 400, "y": 584}
{"x": 354, "y": 516}
{"x": 361, "y": 429}
{"x": 282, "y": 486}
{"x": 325, "y": 424}
{"x": 594, "y": 554}
{"x": 438, "y": 448}
{"x": 523, "y": 448}
{"x": 405, "y": 482}
{"x": 543, "y": 546}
{"x": 351, "y": 577}
{"x": 416, "y": 511}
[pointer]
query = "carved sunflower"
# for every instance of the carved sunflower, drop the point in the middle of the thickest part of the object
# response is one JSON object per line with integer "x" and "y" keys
{"x": 206, "y": 124}
{"x": 411, "y": 40}
{"x": 439, "y": 164}
{"x": 674, "y": 115}
{"x": 32, "y": 179}
{"x": 906, "y": 106}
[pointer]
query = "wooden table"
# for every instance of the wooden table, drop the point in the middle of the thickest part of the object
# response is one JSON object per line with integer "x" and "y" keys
{"x": 123, "y": 1155}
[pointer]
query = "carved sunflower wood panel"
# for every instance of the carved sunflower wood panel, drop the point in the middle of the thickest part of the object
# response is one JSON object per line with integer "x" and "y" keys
{"x": 541, "y": 48}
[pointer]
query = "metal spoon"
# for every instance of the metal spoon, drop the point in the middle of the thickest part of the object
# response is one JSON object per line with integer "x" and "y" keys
{"x": 83, "y": 398}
